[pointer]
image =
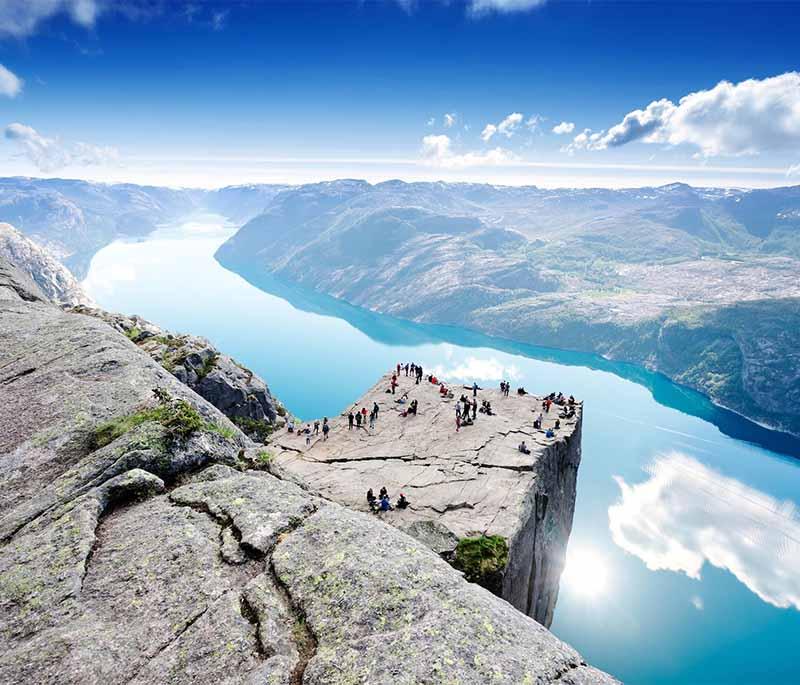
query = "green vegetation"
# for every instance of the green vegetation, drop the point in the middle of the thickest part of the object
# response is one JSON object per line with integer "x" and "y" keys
{"x": 483, "y": 560}
{"x": 208, "y": 366}
{"x": 258, "y": 429}
{"x": 133, "y": 333}
{"x": 263, "y": 458}
{"x": 177, "y": 416}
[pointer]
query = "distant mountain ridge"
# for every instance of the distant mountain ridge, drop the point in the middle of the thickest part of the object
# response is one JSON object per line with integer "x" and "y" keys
{"x": 702, "y": 284}
{"x": 74, "y": 219}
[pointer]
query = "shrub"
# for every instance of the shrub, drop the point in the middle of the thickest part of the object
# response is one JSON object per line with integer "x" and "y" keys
{"x": 483, "y": 560}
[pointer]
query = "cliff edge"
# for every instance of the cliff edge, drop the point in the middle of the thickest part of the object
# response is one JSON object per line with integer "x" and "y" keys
{"x": 502, "y": 516}
{"x": 142, "y": 543}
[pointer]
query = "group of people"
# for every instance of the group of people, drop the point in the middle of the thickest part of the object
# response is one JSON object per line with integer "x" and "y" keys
{"x": 359, "y": 417}
{"x": 413, "y": 369}
{"x": 308, "y": 431}
{"x": 383, "y": 503}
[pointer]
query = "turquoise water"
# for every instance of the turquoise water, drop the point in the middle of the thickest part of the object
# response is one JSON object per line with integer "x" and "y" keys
{"x": 684, "y": 561}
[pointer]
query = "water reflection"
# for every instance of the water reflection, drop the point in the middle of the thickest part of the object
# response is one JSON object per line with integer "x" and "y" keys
{"x": 687, "y": 514}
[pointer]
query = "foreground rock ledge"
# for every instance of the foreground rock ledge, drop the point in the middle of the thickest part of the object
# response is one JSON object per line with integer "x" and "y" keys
{"x": 147, "y": 559}
{"x": 461, "y": 484}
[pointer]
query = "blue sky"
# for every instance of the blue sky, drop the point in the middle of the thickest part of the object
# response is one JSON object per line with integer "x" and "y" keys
{"x": 209, "y": 93}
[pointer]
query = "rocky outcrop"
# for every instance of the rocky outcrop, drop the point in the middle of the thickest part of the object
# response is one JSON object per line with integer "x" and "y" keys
{"x": 473, "y": 494}
{"x": 139, "y": 544}
{"x": 232, "y": 388}
{"x": 55, "y": 281}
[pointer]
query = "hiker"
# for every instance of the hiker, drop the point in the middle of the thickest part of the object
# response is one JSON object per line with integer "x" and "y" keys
{"x": 316, "y": 427}
{"x": 375, "y": 409}
{"x": 406, "y": 369}
{"x": 558, "y": 424}
{"x": 402, "y": 399}
{"x": 383, "y": 492}
{"x": 523, "y": 448}
{"x": 325, "y": 428}
{"x": 308, "y": 437}
{"x": 412, "y": 408}
{"x": 358, "y": 419}
{"x": 398, "y": 369}
{"x": 394, "y": 382}
{"x": 549, "y": 433}
{"x": 402, "y": 502}
{"x": 372, "y": 500}
{"x": 474, "y": 409}
{"x": 364, "y": 416}
{"x": 386, "y": 505}
{"x": 458, "y": 410}
{"x": 350, "y": 419}
{"x": 290, "y": 426}
{"x": 474, "y": 389}
{"x": 372, "y": 420}
{"x": 458, "y": 419}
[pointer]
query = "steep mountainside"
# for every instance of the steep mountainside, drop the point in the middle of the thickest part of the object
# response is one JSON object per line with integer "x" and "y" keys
{"x": 610, "y": 271}
{"x": 142, "y": 544}
{"x": 55, "y": 280}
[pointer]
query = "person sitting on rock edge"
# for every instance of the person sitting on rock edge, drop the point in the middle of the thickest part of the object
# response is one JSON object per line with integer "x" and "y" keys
{"x": 372, "y": 500}
{"x": 386, "y": 505}
{"x": 523, "y": 448}
{"x": 402, "y": 502}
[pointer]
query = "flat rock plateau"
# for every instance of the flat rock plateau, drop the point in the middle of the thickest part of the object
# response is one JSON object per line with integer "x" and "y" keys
{"x": 466, "y": 484}
{"x": 143, "y": 542}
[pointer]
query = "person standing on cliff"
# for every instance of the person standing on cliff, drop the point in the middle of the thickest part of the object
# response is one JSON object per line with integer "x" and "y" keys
{"x": 474, "y": 389}
{"x": 325, "y": 428}
{"x": 474, "y": 409}
{"x": 375, "y": 409}
{"x": 394, "y": 382}
{"x": 350, "y": 420}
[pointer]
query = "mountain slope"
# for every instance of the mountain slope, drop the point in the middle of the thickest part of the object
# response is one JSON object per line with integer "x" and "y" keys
{"x": 55, "y": 281}
{"x": 616, "y": 272}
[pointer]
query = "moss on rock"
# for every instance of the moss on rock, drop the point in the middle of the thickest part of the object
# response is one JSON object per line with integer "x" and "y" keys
{"x": 483, "y": 560}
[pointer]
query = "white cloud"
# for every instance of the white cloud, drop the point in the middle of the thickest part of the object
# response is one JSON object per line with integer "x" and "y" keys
{"x": 20, "y": 18}
{"x": 449, "y": 120}
{"x": 688, "y": 514}
{"x": 507, "y": 127}
{"x": 49, "y": 154}
{"x": 10, "y": 83}
{"x": 480, "y": 7}
{"x": 218, "y": 20}
{"x": 488, "y": 132}
{"x": 744, "y": 118}
{"x": 533, "y": 122}
{"x": 697, "y": 602}
{"x": 437, "y": 151}
{"x": 793, "y": 170}
{"x": 563, "y": 128}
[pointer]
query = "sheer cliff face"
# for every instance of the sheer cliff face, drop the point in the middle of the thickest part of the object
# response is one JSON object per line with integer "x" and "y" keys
{"x": 461, "y": 485}
{"x": 622, "y": 273}
{"x": 142, "y": 544}
{"x": 55, "y": 281}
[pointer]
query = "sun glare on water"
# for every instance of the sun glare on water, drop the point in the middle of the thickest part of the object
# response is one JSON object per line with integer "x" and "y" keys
{"x": 586, "y": 573}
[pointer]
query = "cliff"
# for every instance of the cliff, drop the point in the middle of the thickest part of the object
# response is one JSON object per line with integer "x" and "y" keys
{"x": 142, "y": 542}
{"x": 55, "y": 281}
{"x": 232, "y": 388}
{"x": 502, "y": 516}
